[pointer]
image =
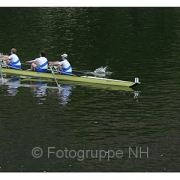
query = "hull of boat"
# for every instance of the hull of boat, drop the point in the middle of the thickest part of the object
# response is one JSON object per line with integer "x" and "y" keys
{"x": 95, "y": 86}
{"x": 81, "y": 79}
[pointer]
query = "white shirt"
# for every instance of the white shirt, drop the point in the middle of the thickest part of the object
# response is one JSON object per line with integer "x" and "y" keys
{"x": 14, "y": 59}
{"x": 65, "y": 64}
{"x": 41, "y": 61}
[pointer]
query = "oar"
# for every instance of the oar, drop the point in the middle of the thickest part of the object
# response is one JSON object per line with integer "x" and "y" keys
{"x": 58, "y": 85}
{"x": 79, "y": 71}
{"x": 25, "y": 64}
{"x": 69, "y": 74}
{"x": 2, "y": 79}
{"x": 74, "y": 70}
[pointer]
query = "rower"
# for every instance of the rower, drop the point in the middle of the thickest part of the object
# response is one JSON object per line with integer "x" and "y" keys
{"x": 13, "y": 61}
{"x": 64, "y": 66}
{"x": 39, "y": 64}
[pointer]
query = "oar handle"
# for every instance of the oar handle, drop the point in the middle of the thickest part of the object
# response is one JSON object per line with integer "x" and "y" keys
{"x": 26, "y": 64}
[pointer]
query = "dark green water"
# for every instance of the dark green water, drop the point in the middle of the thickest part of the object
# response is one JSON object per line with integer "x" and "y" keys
{"x": 132, "y": 42}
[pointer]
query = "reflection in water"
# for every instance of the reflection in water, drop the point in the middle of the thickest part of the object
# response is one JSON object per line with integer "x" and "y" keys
{"x": 63, "y": 94}
{"x": 136, "y": 94}
{"x": 39, "y": 89}
{"x": 13, "y": 87}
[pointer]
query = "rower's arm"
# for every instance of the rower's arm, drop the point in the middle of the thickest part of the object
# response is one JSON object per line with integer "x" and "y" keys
{"x": 5, "y": 58}
{"x": 30, "y": 61}
{"x": 56, "y": 63}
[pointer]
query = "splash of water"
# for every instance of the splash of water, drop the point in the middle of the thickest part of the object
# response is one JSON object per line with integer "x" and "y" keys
{"x": 3, "y": 81}
{"x": 101, "y": 70}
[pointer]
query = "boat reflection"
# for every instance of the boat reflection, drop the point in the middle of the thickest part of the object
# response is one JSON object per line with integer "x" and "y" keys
{"x": 63, "y": 94}
{"x": 99, "y": 86}
{"x": 41, "y": 89}
{"x": 136, "y": 94}
{"x": 14, "y": 83}
{"x": 38, "y": 88}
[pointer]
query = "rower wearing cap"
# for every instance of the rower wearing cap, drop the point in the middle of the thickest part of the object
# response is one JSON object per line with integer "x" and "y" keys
{"x": 64, "y": 66}
{"x": 39, "y": 64}
{"x": 13, "y": 60}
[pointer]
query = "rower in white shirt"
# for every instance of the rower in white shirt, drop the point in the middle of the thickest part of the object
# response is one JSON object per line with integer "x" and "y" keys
{"x": 64, "y": 66}
{"x": 12, "y": 61}
{"x": 39, "y": 64}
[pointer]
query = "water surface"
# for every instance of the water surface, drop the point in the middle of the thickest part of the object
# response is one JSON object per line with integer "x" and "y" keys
{"x": 132, "y": 42}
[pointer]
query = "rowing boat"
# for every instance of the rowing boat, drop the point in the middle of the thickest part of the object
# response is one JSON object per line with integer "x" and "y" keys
{"x": 81, "y": 79}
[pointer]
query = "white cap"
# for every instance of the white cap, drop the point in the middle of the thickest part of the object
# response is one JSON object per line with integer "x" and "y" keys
{"x": 64, "y": 55}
